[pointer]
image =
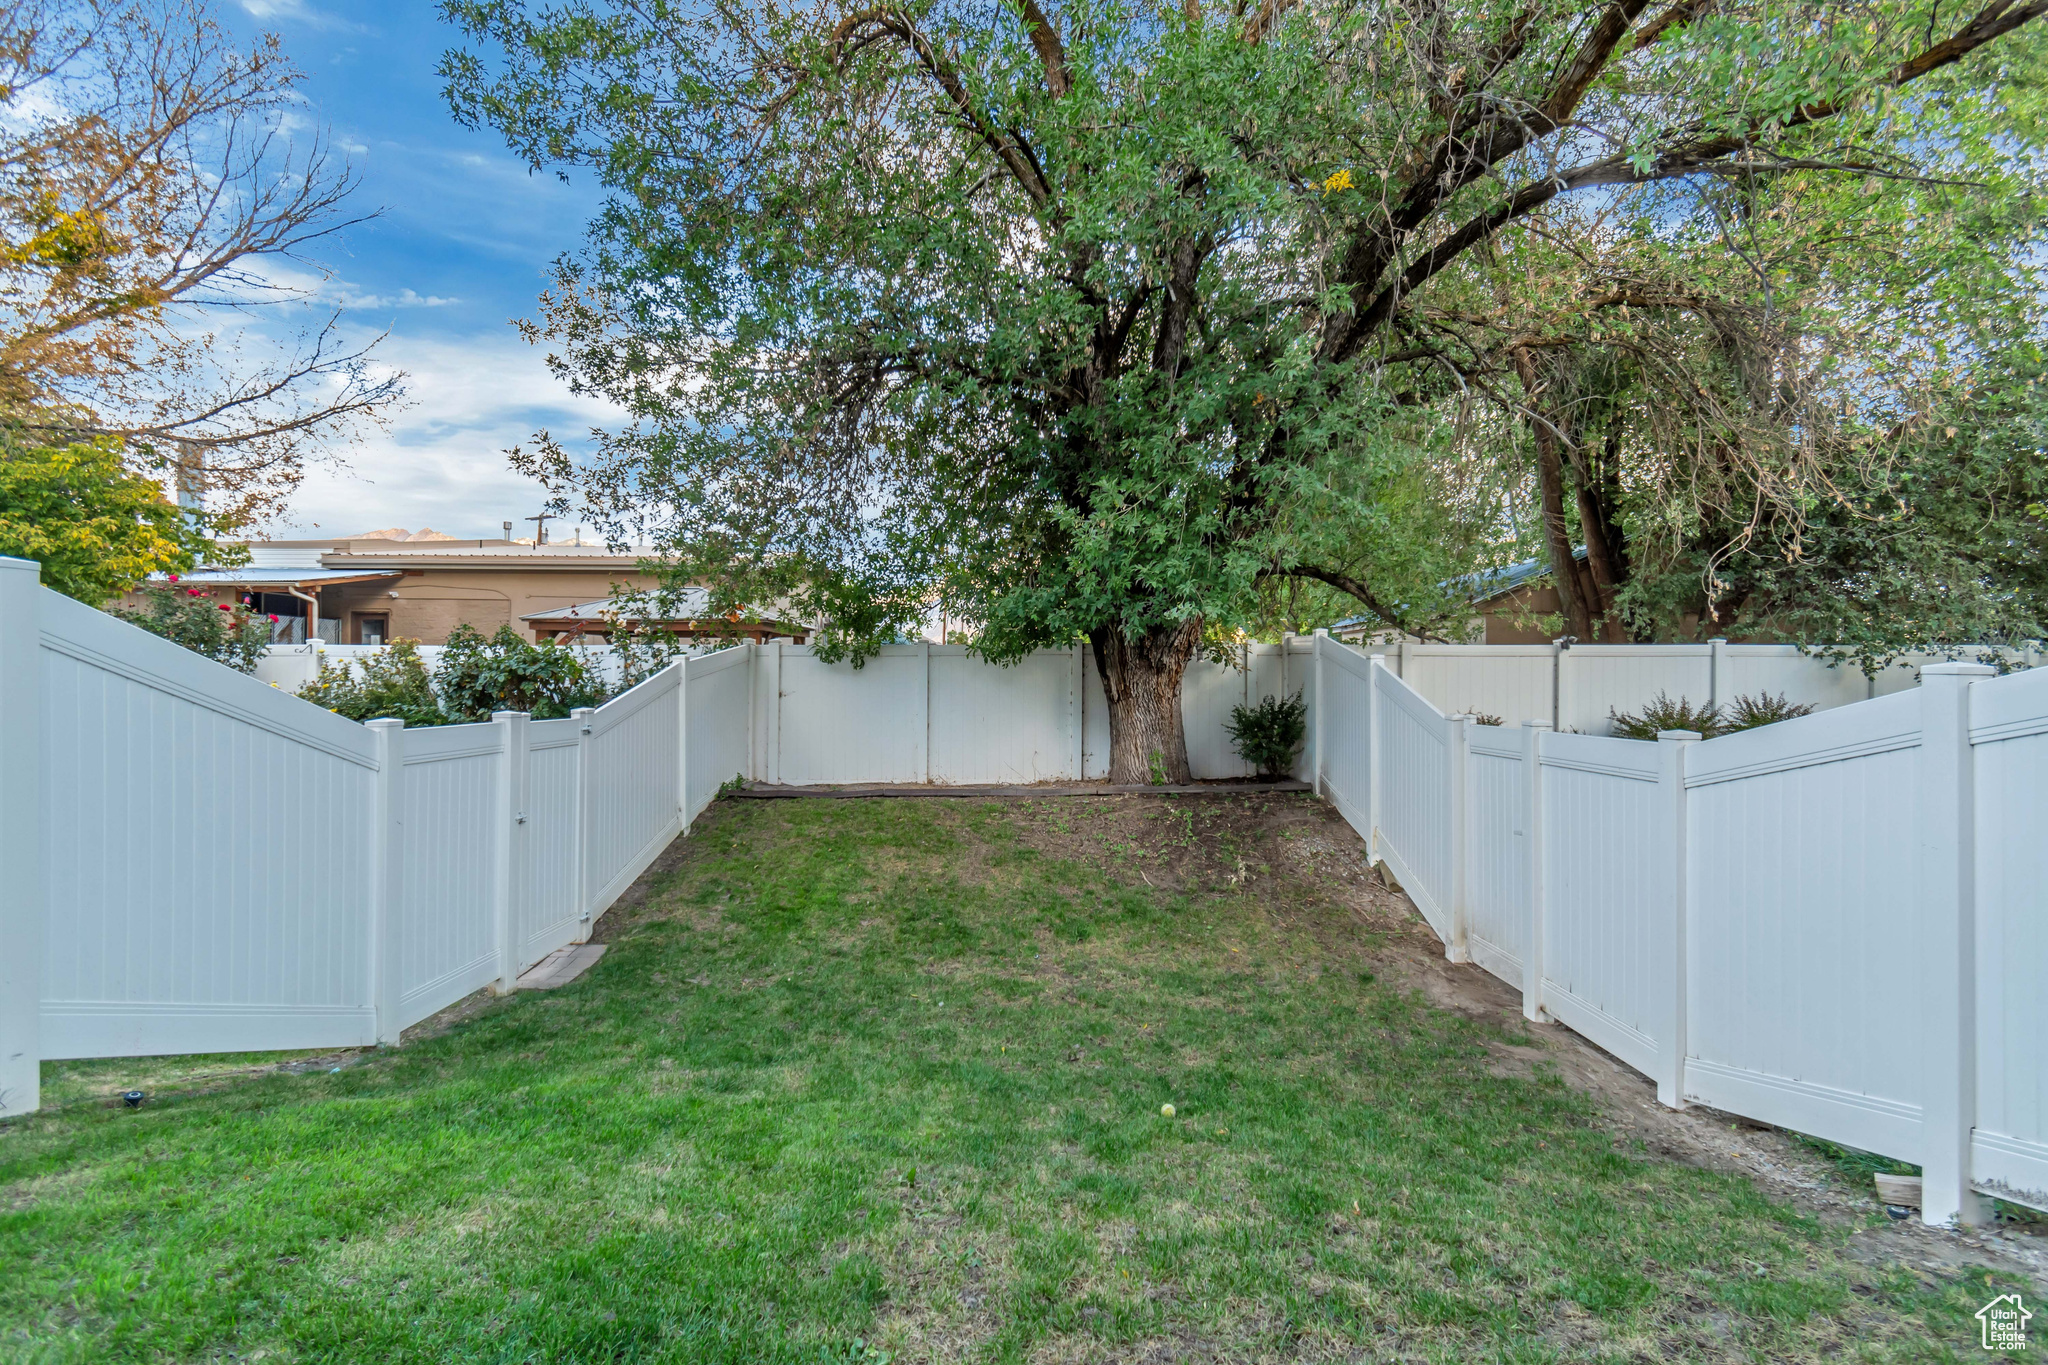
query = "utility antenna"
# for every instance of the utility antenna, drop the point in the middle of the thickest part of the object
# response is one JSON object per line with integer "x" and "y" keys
{"x": 540, "y": 531}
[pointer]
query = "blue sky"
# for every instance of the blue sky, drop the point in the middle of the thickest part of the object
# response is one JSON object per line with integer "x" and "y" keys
{"x": 461, "y": 248}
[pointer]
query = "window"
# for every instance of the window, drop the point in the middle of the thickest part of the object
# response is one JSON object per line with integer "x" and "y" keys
{"x": 372, "y": 630}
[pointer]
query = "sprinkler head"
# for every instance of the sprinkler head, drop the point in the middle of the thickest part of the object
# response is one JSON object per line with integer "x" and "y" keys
{"x": 133, "y": 1098}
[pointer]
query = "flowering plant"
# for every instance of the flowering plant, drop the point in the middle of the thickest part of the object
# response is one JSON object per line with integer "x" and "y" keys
{"x": 227, "y": 633}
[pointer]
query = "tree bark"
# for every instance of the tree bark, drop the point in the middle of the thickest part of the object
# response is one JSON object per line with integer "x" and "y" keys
{"x": 1557, "y": 536}
{"x": 1141, "y": 679}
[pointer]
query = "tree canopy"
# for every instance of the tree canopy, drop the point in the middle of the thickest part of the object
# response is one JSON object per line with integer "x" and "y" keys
{"x": 1096, "y": 322}
{"x": 155, "y": 211}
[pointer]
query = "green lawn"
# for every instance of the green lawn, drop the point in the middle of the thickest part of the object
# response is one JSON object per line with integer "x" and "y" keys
{"x": 882, "y": 1079}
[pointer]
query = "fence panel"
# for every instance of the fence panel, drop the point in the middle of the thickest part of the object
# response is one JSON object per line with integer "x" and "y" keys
{"x": 1496, "y": 916}
{"x": 1783, "y": 671}
{"x": 1805, "y": 925}
{"x": 1512, "y": 682}
{"x": 1347, "y": 735}
{"x": 1602, "y": 841}
{"x": 1001, "y": 724}
{"x": 635, "y": 806}
{"x": 1415, "y": 814}
{"x": 2009, "y": 734}
{"x": 448, "y": 868}
{"x": 1209, "y": 693}
{"x": 1596, "y": 679}
{"x": 720, "y": 703}
{"x": 838, "y": 723}
{"x": 202, "y": 843}
{"x": 545, "y": 909}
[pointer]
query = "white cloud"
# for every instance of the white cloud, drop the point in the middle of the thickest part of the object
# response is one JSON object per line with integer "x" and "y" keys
{"x": 443, "y": 463}
{"x": 299, "y": 12}
{"x": 404, "y": 298}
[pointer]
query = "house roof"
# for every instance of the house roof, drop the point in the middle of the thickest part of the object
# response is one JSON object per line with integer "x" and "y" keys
{"x": 690, "y": 604}
{"x": 481, "y": 554}
{"x": 296, "y": 576}
{"x": 1485, "y": 587}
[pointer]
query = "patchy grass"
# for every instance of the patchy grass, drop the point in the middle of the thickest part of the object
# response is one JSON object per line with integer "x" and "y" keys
{"x": 868, "y": 1079}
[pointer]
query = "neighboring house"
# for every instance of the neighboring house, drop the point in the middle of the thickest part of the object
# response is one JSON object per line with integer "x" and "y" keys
{"x": 1506, "y": 605}
{"x": 391, "y": 584}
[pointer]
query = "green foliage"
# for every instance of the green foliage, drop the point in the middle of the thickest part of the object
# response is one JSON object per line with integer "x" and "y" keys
{"x": 1269, "y": 735}
{"x": 1746, "y": 713}
{"x": 227, "y": 634}
{"x": 1112, "y": 318}
{"x": 477, "y": 676}
{"x": 96, "y": 529}
{"x": 1666, "y": 714}
{"x": 391, "y": 683}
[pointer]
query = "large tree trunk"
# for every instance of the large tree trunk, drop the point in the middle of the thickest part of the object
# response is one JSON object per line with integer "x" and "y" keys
{"x": 1141, "y": 678}
{"x": 1572, "y": 591}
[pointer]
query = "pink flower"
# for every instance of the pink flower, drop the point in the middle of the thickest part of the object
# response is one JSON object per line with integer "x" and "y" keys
{"x": 174, "y": 578}
{"x": 224, "y": 606}
{"x": 273, "y": 616}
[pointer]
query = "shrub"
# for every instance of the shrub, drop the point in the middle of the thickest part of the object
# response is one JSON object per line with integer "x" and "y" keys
{"x": 1746, "y": 713}
{"x": 1269, "y": 735}
{"x": 477, "y": 676}
{"x": 232, "y": 635}
{"x": 1485, "y": 718}
{"x": 392, "y": 683}
{"x": 1666, "y": 714}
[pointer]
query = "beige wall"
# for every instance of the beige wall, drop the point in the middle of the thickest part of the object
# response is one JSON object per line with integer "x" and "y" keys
{"x": 427, "y": 604}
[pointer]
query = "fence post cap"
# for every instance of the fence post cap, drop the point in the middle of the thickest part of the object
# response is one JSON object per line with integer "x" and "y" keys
{"x": 1718, "y": 640}
{"x": 1678, "y": 736}
{"x": 13, "y": 565}
{"x": 1957, "y": 669}
{"x": 1536, "y": 725}
{"x": 511, "y": 715}
{"x": 385, "y": 723}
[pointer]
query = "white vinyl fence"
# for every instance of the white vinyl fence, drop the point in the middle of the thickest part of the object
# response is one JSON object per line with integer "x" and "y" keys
{"x": 1574, "y": 687}
{"x": 197, "y": 862}
{"x": 1837, "y": 924}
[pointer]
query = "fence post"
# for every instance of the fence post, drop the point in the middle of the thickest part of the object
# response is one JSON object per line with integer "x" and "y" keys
{"x": 584, "y": 792}
{"x": 1560, "y": 670}
{"x": 1460, "y": 751}
{"x": 1077, "y": 712}
{"x": 924, "y": 708}
{"x": 387, "y": 879}
{"x": 753, "y": 710}
{"x": 683, "y": 743}
{"x": 1316, "y": 754}
{"x": 25, "y": 903}
{"x": 775, "y": 717}
{"x": 512, "y": 740}
{"x": 1671, "y": 1041}
{"x": 1717, "y": 676}
{"x": 1375, "y": 666}
{"x": 1948, "y": 849}
{"x": 1532, "y": 854}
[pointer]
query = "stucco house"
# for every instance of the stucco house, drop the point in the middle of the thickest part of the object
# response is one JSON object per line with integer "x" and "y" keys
{"x": 395, "y": 584}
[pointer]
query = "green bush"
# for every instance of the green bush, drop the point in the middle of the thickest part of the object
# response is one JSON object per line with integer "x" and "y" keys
{"x": 1746, "y": 713}
{"x": 1269, "y": 735}
{"x": 1666, "y": 714}
{"x": 393, "y": 684}
{"x": 477, "y": 676}
{"x": 231, "y": 635}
